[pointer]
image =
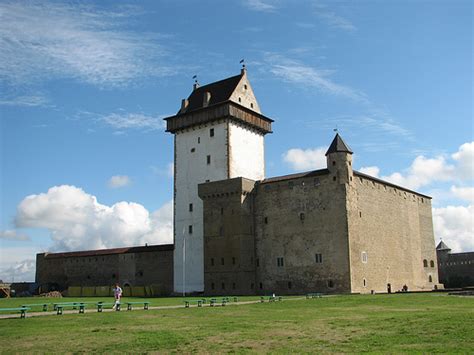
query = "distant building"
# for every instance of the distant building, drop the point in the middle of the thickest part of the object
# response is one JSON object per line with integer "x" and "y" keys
{"x": 133, "y": 266}
{"x": 455, "y": 269}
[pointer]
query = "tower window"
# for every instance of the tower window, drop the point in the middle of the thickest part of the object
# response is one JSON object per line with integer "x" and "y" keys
{"x": 289, "y": 285}
{"x": 199, "y": 140}
{"x": 364, "y": 257}
{"x": 233, "y": 285}
{"x": 193, "y": 150}
{"x": 211, "y": 132}
{"x": 302, "y": 216}
{"x": 330, "y": 283}
{"x": 425, "y": 263}
{"x": 212, "y": 261}
{"x": 190, "y": 207}
{"x": 251, "y": 105}
{"x": 222, "y": 210}
{"x": 190, "y": 229}
{"x": 212, "y": 286}
{"x": 432, "y": 263}
{"x": 266, "y": 220}
{"x": 223, "y": 286}
{"x": 240, "y": 100}
{"x": 257, "y": 262}
{"x": 430, "y": 278}
{"x": 333, "y": 178}
{"x": 364, "y": 281}
{"x": 261, "y": 285}
{"x": 280, "y": 262}
{"x": 333, "y": 162}
{"x": 233, "y": 260}
{"x": 208, "y": 160}
{"x": 245, "y": 86}
{"x": 318, "y": 258}
{"x": 222, "y": 261}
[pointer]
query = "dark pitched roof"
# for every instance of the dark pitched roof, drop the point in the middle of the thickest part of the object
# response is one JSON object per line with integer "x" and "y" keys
{"x": 338, "y": 145}
{"x": 140, "y": 249}
{"x": 220, "y": 91}
{"x": 295, "y": 176}
{"x": 442, "y": 246}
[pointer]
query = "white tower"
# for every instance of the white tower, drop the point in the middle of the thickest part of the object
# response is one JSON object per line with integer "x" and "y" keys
{"x": 218, "y": 134}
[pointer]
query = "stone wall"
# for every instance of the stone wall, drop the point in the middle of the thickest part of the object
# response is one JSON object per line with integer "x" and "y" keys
{"x": 391, "y": 234}
{"x": 140, "y": 266}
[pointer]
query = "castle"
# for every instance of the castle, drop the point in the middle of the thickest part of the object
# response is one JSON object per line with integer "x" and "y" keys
{"x": 331, "y": 230}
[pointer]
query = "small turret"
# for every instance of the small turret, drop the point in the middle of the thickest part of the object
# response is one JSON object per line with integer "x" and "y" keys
{"x": 339, "y": 160}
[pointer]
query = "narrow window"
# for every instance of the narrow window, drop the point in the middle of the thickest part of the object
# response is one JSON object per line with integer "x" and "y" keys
{"x": 222, "y": 210}
{"x": 193, "y": 150}
{"x": 257, "y": 262}
{"x": 333, "y": 162}
{"x": 190, "y": 207}
{"x": 212, "y": 261}
{"x": 199, "y": 140}
{"x": 233, "y": 260}
{"x": 330, "y": 284}
{"x": 266, "y": 220}
{"x": 360, "y": 214}
{"x": 240, "y": 100}
{"x": 245, "y": 86}
{"x": 318, "y": 258}
{"x": 432, "y": 263}
{"x": 190, "y": 229}
{"x": 425, "y": 263}
{"x": 430, "y": 279}
{"x": 223, "y": 286}
{"x": 333, "y": 178}
{"x": 302, "y": 216}
{"x": 289, "y": 285}
{"x": 208, "y": 160}
{"x": 211, "y": 132}
{"x": 251, "y": 286}
{"x": 261, "y": 285}
{"x": 222, "y": 261}
{"x": 251, "y": 105}
{"x": 280, "y": 262}
{"x": 364, "y": 281}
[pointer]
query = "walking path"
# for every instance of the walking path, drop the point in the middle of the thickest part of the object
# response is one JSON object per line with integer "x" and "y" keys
{"x": 90, "y": 310}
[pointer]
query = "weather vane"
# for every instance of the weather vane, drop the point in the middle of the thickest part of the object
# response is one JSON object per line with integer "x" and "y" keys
{"x": 242, "y": 61}
{"x": 195, "y": 78}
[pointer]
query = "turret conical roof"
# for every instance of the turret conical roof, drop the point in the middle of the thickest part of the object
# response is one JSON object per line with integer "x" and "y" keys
{"x": 442, "y": 246}
{"x": 338, "y": 145}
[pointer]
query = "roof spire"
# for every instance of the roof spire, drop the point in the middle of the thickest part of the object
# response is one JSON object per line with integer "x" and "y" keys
{"x": 244, "y": 69}
{"x": 196, "y": 84}
{"x": 338, "y": 145}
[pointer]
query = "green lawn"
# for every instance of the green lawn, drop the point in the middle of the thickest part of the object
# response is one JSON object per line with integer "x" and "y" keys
{"x": 422, "y": 323}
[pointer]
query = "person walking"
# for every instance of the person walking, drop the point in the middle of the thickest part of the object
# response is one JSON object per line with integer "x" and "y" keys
{"x": 117, "y": 295}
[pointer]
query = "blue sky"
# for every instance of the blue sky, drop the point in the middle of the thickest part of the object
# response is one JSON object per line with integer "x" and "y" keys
{"x": 85, "y": 162}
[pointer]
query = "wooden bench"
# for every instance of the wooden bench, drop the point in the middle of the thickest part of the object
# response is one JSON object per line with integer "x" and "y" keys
{"x": 100, "y": 306}
{"x": 271, "y": 298}
{"x": 313, "y": 295}
{"x": 44, "y": 305}
{"x": 22, "y": 310}
{"x": 213, "y": 301}
{"x": 198, "y": 302}
{"x": 145, "y": 305}
{"x": 73, "y": 305}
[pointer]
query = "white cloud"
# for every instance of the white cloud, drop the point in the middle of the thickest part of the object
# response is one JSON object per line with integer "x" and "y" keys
{"x": 370, "y": 170}
{"x": 77, "y": 221}
{"x": 464, "y": 157}
{"x": 12, "y": 234}
{"x": 23, "y": 271}
{"x": 332, "y": 19}
{"x": 41, "y": 41}
{"x": 117, "y": 181}
{"x": 126, "y": 120}
{"x": 306, "y": 159}
{"x": 463, "y": 193}
{"x": 455, "y": 225}
{"x": 260, "y": 5}
{"x": 295, "y": 72}
{"x": 25, "y": 100}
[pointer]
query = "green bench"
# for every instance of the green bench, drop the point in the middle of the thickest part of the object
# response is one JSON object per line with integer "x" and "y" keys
{"x": 313, "y": 295}
{"x": 74, "y": 305}
{"x": 271, "y": 298}
{"x": 198, "y": 302}
{"x": 214, "y": 301}
{"x": 22, "y": 310}
{"x": 145, "y": 305}
{"x": 100, "y": 306}
{"x": 44, "y": 305}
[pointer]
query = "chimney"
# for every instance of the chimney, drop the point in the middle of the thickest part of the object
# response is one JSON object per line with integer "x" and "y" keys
{"x": 184, "y": 105}
{"x": 206, "y": 99}
{"x": 243, "y": 71}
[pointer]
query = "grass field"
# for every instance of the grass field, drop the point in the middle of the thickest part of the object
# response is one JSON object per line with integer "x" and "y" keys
{"x": 375, "y": 323}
